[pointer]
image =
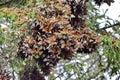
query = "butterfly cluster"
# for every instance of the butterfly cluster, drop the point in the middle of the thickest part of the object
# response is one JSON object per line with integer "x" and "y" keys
{"x": 31, "y": 73}
{"x": 4, "y": 75}
{"x": 56, "y": 35}
{"x": 99, "y": 2}
{"x": 78, "y": 8}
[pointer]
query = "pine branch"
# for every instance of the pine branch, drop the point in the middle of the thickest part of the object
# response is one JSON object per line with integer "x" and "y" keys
{"x": 110, "y": 26}
{"x": 4, "y": 3}
{"x": 97, "y": 73}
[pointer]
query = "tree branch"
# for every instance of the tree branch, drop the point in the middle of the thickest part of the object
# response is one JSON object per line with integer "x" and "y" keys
{"x": 104, "y": 28}
{"x": 4, "y": 3}
{"x": 97, "y": 73}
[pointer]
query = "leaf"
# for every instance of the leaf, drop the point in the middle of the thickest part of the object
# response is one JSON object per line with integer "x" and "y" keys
{"x": 68, "y": 68}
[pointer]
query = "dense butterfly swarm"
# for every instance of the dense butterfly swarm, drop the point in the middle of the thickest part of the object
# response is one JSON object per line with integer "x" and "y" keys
{"x": 58, "y": 33}
{"x": 31, "y": 73}
{"x": 3, "y": 74}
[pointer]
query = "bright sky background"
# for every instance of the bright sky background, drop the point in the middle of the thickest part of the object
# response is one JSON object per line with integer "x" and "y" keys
{"x": 113, "y": 10}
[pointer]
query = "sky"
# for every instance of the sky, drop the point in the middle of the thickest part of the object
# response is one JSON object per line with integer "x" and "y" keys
{"x": 113, "y": 10}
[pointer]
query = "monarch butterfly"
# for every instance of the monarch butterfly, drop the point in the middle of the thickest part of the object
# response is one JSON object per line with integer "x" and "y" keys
{"x": 30, "y": 39}
{"x": 22, "y": 30}
{"x": 65, "y": 31}
{"x": 37, "y": 51}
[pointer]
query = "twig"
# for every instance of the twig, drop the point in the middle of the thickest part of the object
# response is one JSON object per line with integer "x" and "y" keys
{"x": 97, "y": 73}
{"x": 104, "y": 28}
{"x": 21, "y": 2}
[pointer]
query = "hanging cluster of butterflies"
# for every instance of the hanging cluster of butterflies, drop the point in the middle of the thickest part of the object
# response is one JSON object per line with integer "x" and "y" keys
{"x": 31, "y": 73}
{"x": 59, "y": 33}
{"x": 4, "y": 75}
{"x": 99, "y": 2}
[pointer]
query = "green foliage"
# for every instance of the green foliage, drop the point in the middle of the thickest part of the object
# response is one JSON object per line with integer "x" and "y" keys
{"x": 111, "y": 51}
{"x": 2, "y": 38}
